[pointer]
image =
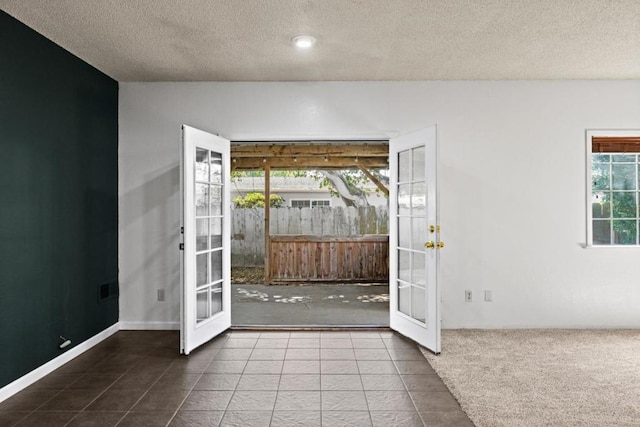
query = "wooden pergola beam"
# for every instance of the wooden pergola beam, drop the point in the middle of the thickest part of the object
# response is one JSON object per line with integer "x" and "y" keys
{"x": 375, "y": 180}
{"x": 252, "y": 163}
{"x": 298, "y": 149}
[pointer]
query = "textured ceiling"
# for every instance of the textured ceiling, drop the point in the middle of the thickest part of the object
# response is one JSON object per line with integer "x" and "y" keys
{"x": 249, "y": 40}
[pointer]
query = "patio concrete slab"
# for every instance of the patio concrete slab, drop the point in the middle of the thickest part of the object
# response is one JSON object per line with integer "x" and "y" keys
{"x": 310, "y": 305}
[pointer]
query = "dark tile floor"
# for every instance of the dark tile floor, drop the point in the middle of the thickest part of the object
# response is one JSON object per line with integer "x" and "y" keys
{"x": 241, "y": 379}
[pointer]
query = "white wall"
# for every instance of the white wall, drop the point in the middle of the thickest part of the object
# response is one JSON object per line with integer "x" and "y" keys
{"x": 512, "y": 181}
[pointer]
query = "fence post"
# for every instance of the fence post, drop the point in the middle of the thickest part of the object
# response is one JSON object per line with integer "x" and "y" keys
{"x": 267, "y": 224}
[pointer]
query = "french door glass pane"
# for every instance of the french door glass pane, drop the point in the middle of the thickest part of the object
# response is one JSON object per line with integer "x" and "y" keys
{"x": 216, "y": 298}
{"x": 404, "y": 199}
{"x": 404, "y": 232}
{"x": 404, "y": 265}
{"x": 418, "y": 233}
{"x": 418, "y": 268}
{"x": 216, "y": 168}
{"x": 202, "y": 305}
{"x": 404, "y": 166}
{"x": 418, "y": 164}
{"x": 418, "y": 300}
{"x": 404, "y": 298}
{"x": 201, "y": 270}
{"x": 202, "y": 234}
{"x": 202, "y": 164}
{"x": 216, "y": 266}
{"x": 216, "y": 200}
{"x": 202, "y": 200}
{"x": 216, "y": 233}
{"x": 419, "y": 199}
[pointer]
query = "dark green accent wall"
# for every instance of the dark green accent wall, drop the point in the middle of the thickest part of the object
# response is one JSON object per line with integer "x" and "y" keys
{"x": 58, "y": 199}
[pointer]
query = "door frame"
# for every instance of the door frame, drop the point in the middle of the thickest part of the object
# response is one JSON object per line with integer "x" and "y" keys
{"x": 328, "y": 138}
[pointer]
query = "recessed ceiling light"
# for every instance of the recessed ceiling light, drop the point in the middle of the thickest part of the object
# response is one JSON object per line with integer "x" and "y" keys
{"x": 303, "y": 42}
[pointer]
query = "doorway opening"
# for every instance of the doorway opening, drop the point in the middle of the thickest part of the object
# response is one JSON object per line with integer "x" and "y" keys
{"x": 413, "y": 247}
{"x": 316, "y": 254}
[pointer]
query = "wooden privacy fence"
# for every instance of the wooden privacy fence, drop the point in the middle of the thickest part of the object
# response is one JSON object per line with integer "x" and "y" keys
{"x": 247, "y": 227}
{"x": 329, "y": 258}
{"x": 309, "y": 244}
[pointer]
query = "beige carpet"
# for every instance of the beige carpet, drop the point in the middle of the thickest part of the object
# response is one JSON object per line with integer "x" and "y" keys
{"x": 543, "y": 377}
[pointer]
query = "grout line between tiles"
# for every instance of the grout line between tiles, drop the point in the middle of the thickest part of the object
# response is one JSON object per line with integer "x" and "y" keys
{"x": 407, "y": 389}
{"x": 366, "y": 401}
{"x": 224, "y": 412}
{"x": 145, "y": 393}
{"x": 98, "y": 396}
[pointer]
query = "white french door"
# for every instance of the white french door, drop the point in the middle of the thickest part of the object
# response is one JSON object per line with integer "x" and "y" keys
{"x": 414, "y": 238}
{"x": 205, "y": 296}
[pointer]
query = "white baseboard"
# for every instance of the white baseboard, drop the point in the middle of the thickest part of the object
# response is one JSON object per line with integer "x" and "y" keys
{"x": 38, "y": 373}
{"x": 149, "y": 326}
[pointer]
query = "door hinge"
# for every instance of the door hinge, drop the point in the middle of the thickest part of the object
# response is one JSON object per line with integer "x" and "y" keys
{"x": 181, "y": 230}
{"x": 181, "y": 246}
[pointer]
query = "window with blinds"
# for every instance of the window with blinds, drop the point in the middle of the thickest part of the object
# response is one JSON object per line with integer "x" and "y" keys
{"x": 614, "y": 188}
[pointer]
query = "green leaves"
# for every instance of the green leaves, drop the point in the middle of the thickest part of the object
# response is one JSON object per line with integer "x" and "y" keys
{"x": 256, "y": 200}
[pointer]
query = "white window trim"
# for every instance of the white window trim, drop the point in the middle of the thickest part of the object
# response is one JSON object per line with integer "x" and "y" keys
{"x": 589, "y": 187}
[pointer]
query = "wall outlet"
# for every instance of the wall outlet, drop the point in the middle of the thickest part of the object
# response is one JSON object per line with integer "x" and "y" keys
{"x": 160, "y": 294}
{"x": 488, "y": 295}
{"x": 468, "y": 297}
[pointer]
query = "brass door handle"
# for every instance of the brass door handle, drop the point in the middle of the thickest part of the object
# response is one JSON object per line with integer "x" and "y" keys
{"x": 432, "y": 245}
